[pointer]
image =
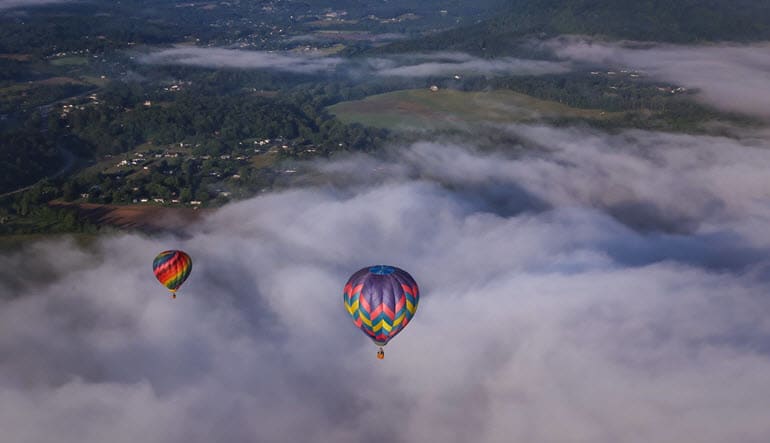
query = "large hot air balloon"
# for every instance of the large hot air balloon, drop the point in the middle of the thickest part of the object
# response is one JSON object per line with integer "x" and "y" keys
{"x": 172, "y": 268}
{"x": 382, "y": 300}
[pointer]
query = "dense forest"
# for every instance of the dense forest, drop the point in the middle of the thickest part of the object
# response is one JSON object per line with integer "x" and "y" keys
{"x": 25, "y": 156}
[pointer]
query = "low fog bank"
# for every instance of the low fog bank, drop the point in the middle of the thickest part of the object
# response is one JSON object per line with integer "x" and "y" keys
{"x": 18, "y": 4}
{"x": 730, "y": 76}
{"x": 601, "y": 288}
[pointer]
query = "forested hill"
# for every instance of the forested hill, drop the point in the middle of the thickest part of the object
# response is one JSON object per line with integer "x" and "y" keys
{"x": 677, "y": 21}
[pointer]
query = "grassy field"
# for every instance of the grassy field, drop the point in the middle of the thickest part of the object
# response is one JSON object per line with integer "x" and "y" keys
{"x": 60, "y": 81}
{"x": 52, "y": 81}
{"x": 96, "y": 81}
{"x": 70, "y": 61}
{"x": 265, "y": 160}
{"x": 107, "y": 165}
{"x": 15, "y": 89}
{"x": 425, "y": 109}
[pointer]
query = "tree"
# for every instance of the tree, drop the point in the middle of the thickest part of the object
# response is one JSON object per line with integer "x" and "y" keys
{"x": 185, "y": 195}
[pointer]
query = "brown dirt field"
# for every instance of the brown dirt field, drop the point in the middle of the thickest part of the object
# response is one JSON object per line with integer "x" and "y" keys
{"x": 60, "y": 81}
{"x": 17, "y": 57}
{"x": 142, "y": 217}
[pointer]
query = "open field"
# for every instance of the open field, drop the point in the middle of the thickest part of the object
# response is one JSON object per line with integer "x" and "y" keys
{"x": 425, "y": 109}
{"x": 70, "y": 61}
{"x": 265, "y": 160}
{"x": 108, "y": 164}
{"x": 96, "y": 81}
{"x": 17, "y": 57}
{"x": 22, "y": 87}
{"x": 60, "y": 81}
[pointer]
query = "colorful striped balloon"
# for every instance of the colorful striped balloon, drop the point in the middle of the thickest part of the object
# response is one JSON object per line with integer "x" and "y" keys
{"x": 172, "y": 268}
{"x": 382, "y": 300}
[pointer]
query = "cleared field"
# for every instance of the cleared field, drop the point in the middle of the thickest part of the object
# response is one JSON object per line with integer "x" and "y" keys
{"x": 96, "y": 81}
{"x": 69, "y": 61}
{"x": 60, "y": 81}
{"x": 108, "y": 165}
{"x": 23, "y": 87}
{"x": 15, "y": 89}
{"x": 425, "y": 109}
{"x": 17, "y": 57}
{"x": 265, "y": 160}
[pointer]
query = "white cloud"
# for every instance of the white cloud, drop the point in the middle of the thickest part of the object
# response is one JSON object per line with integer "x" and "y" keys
{"x": 235, "y": 58}
{"x": 12, "y": 4}
{"x": 409, "y": 65}
{"x": 544, "y": 317}
{"x": 729, "y": 76}
{"x": 450, "y": 63}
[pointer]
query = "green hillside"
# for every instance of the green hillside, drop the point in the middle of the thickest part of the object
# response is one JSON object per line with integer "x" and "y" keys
{"x": 444, "y": 109}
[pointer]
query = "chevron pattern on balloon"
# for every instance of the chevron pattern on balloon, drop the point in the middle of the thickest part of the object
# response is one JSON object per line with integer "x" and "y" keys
{"x": 381, "y": 301}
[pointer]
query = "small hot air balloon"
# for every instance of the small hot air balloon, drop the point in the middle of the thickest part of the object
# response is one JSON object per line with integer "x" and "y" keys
{"x": 382, "y": 300}
{"x": 172, "y": 268}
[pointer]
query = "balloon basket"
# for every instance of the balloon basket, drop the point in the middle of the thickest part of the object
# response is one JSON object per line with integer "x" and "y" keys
{"x": 380, "y": 354}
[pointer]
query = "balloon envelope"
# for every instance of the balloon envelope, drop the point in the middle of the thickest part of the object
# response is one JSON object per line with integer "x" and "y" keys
{"x": 382, "y": 300}
{"x": 172, "y": 268}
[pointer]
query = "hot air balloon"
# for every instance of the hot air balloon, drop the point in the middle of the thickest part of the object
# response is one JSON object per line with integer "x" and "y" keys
{"x": 172, "y": 268}
{"x": 382, "y": 300}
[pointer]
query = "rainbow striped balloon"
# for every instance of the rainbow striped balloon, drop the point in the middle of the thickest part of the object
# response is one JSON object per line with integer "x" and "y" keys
{"x": 172, "y": 268}
{"x": 382, "y": 300}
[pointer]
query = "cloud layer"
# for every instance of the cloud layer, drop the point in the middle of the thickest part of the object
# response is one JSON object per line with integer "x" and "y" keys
{"x": 549, "y": 312}
{"x": 451, "y": 63}
{"x": 408, "y": 65}
{"x": 240, "y": 59}
{"x": 729, "y": 76}
{"x": 13, "y": 4}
